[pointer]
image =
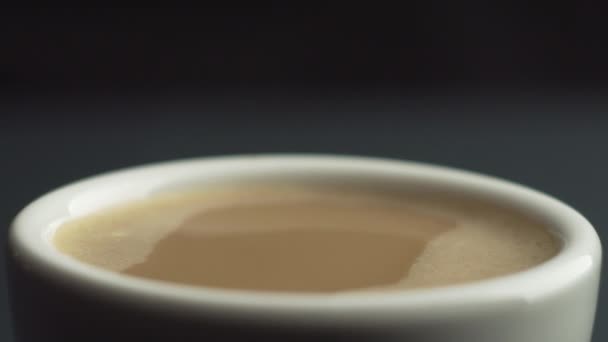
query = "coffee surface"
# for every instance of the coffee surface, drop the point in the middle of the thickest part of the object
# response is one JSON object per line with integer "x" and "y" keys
{"x": 307, "y": 239}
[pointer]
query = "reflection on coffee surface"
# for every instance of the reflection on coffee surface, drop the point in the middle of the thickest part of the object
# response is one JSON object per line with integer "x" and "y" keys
{"x": 289, "y": 237}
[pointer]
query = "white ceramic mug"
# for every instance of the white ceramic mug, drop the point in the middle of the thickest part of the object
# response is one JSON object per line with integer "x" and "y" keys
{"x": 56, "y": 298}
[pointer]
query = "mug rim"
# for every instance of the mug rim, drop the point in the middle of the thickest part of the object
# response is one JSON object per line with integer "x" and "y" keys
{"x": 30, "y": 234}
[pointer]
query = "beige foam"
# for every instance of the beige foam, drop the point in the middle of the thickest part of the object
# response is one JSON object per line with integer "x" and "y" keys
{"x": 469, "y": 240}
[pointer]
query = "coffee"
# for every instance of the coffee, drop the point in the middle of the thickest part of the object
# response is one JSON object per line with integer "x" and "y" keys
{"x": 308, "y": 238}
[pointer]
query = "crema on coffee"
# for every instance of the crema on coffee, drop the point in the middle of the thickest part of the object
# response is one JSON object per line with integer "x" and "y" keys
{"x": 308, "y": 238}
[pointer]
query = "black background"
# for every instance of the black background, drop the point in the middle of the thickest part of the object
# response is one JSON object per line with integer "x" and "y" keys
{"x": 514, "y": 91}
{"x": 431, "y": 44}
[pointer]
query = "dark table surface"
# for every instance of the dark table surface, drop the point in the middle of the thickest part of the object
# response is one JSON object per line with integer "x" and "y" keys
{"x": 555, "y": 143}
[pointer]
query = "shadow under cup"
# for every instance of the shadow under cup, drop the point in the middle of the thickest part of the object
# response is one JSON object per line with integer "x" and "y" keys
{"x": 56, "y": 298}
